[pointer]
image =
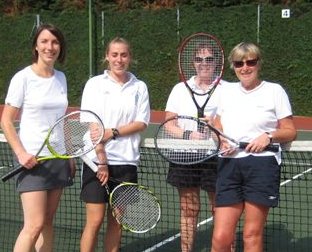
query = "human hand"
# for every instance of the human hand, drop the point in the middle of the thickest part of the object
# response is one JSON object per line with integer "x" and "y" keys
{"x": 102, "y": 173}
{"x": 27, "y": 160}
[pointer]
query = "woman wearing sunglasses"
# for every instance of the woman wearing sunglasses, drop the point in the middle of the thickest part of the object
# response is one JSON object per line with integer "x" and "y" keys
{"x": 259, "y": 112}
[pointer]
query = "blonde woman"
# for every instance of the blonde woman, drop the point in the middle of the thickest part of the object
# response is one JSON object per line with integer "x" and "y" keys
{"x": 259, "y": 112}
{"x": 122, "y": 102}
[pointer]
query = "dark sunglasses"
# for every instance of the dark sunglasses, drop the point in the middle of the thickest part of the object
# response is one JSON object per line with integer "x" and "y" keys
{"x": 206, "y": 59}
{"x": 250, "y": 63}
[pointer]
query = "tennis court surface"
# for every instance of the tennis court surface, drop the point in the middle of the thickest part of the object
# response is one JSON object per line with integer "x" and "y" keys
{"x": 289, "y": 226}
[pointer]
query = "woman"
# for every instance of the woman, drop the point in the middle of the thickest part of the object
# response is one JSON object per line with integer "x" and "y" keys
{"x": 39, "y": 94}
{"x": 255, "y": 111}
{"x": 190, "y": 179}
{"x": 122, "y": 102}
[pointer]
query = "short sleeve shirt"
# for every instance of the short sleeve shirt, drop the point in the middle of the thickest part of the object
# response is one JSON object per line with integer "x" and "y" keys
{"x": 41, "y": 100}
{"x": 118, "y": 105}
{"x": 180, "y": 100}
{"x": 247, "y": 114}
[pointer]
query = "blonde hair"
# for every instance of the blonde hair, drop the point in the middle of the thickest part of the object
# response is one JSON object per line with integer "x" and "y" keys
{"x": 113, "y": 41}
{"x": 118, "y": 40}
{"x": 244, "y": 50}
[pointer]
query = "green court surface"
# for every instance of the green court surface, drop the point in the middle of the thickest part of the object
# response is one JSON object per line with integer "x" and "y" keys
{"x": 288, "y": 228}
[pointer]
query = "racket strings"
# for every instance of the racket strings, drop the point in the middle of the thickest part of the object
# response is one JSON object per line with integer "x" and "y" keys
{"x": 194, "y": 59}
{"x": 135, "y": 208}
{"x": 74, "y": 135}
{"x": 199, "y": 143}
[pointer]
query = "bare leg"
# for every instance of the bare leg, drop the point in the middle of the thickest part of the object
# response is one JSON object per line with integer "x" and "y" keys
{"x": 255, "y": 218}
{"x": 113, "y": 234}
{"x": 212, "y": 196}
{"x": 45, "y": 240}
{"x": 190, "y": 206}
{"x": 34, "y": 209}
{"x": 95, "y": 215}
{"x": 225, "y": 222}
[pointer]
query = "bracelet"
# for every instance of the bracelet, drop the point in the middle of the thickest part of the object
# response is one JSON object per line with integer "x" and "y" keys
{"x": 115, "y": 133}
{"x": 187, "y": 134}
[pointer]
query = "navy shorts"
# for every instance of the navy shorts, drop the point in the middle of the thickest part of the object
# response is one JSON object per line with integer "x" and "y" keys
{"x": 93, "y": 192}
{"x": 254, "y": 179}
{"x": 201, "y": 175}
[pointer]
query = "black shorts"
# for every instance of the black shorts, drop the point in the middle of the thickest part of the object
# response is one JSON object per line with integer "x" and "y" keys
{"x": 254, "y": 179}
{"x": 93, "y": 192}
{"x": 201, "y": 175}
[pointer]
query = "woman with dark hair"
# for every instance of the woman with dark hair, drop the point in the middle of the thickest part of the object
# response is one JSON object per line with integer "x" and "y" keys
{"x": 191, "y": 179}
{"x": 39, "y": 94}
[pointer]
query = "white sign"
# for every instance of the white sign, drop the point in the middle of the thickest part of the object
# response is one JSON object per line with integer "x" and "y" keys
{"x": 285, "y": 13}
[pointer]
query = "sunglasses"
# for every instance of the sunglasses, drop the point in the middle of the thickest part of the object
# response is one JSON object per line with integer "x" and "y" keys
{"x": 249, "y": 63}
{"x": 208, "y": 59}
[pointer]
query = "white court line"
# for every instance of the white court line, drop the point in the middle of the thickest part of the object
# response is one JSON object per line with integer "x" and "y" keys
{"x": 296, "y": 177}
{"x": 172, "y": 238}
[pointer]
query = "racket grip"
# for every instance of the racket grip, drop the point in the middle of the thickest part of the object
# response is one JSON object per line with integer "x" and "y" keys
{"x": 12, "y": 173}
{"x": 270, "y": 147}
{"x": 89, "y": 162}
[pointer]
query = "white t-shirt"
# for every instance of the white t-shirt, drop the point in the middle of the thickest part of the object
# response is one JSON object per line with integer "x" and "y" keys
{"x": 246, "y": 115}
{"x": 42, "y": 101}
{"x": 118, "y": 105}
{"x": 180, "y": 100}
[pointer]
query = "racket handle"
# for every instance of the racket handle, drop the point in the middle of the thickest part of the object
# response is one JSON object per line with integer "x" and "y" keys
{"x": 89, "y": 162}
{"x": 12, "y": 173}
{"x": 270, "y": 147}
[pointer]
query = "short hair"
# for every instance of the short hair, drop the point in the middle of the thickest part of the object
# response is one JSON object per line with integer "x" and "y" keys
{"x": 57, "y": 33}
{"x": 203, "y": 46}
{"x": 244, "y": 50}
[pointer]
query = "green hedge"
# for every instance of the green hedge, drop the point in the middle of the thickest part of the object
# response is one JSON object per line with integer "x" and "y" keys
{"x": 286, "y": 45}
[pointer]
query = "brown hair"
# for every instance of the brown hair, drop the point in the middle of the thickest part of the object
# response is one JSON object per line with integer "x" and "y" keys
{"x": 57, "y": 33}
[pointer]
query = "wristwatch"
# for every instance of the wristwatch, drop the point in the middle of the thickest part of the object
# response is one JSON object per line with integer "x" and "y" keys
{"x": 269, "y": 136}
{"x": 115, "y": 133}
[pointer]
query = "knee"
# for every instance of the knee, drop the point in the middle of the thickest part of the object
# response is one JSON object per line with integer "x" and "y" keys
{"x": 252, "y": 237}
{"x": 33, "y": 229}
{"x": 96, "y": 225}
{"x": 222, "y": 241}
{"x": 190, "y": 210}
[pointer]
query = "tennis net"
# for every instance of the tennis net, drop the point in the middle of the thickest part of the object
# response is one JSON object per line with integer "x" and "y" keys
{"x": 288, "y": 227}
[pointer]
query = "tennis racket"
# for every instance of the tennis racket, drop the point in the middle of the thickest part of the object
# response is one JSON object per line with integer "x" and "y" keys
{"x": 188, "y": 140}
{"x": 201, "y": 55}
{"x": 135, "y": 207}
{"x": 69, "y": 137}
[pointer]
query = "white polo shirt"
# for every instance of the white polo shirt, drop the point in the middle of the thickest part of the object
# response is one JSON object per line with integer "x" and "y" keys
{"x": 118, "y": 105}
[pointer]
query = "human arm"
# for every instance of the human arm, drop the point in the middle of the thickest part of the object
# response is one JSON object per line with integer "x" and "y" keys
{"x": 285, "y": 132}
{"x": 124, "y": 130}
{"x": 102, "y": 173}
{"x": 9, "y": 115}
